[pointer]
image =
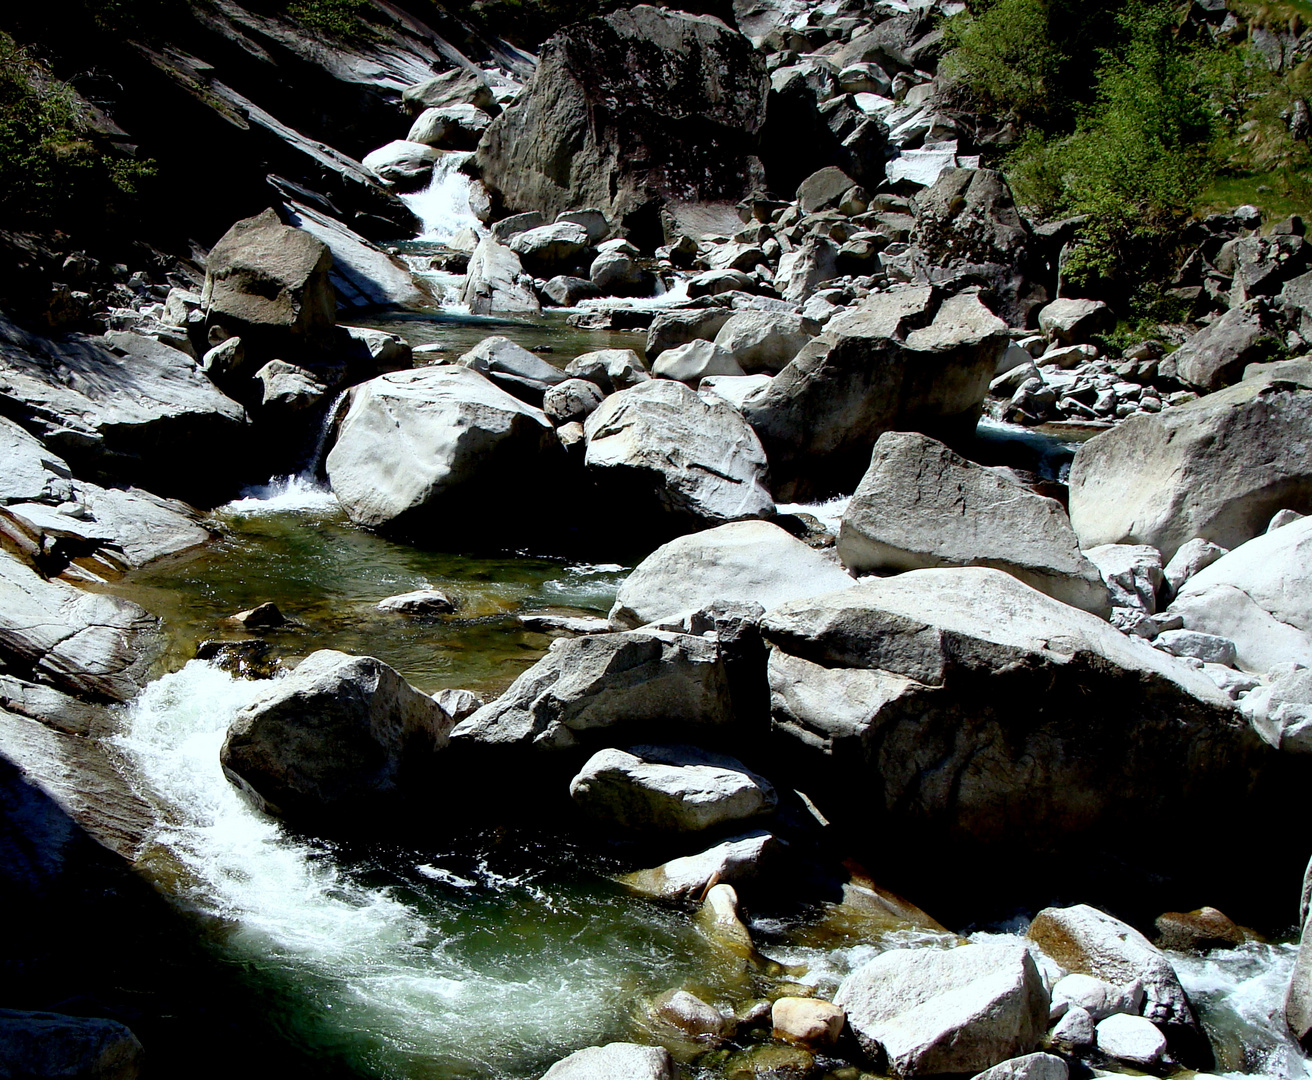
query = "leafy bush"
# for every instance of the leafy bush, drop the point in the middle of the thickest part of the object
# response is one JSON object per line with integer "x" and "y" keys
{"x": 51, "y": 168}
{"x": 340, "y": 17}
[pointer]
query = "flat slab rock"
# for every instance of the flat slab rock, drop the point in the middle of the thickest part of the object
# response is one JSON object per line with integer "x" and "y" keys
{"x": 959, "y": 1010}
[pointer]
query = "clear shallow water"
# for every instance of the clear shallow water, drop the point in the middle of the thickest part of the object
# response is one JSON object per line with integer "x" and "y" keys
{"x": 290, "y": 543}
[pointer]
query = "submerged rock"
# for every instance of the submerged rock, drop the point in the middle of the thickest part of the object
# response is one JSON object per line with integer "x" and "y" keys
{"x": 669, "y": 789}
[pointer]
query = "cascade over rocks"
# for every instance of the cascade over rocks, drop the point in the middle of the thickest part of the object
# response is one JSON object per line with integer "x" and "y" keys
{"x": 337, "y": 739}
{"x": 898, "y": 360}
{"x": 641, "y": 106}
{"x": 1215, "y": 468}
{"x": 960, "y": 707}
{"x": 422, "y": 447}
{"x": 922, "y": 505}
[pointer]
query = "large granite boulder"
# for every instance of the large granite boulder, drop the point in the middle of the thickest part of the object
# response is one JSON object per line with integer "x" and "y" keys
{"x": 88, "y": 645}
{"x": 268, "y": 284}
{"x": 516, "y": 370}
{"x": 459, "y": 86}
{"x": 640, "y": 106}
{"x": 625, "y": 686}
{"x": 743, "y": 561}
{"x": 419, "y": 446}
{"x": 969, "y": 231}
{"x": 1216, "y": 356}
{"x": 674, "y": 789}
{"x": 961, "y": 710}
{"x": 765, "y": 340}
{"x": 338, "y": 739}
{"x": 125, "y": 409}
{"x": 677, "y": 459}
{"x": 1259, "y": 596}
{"x": 1216, "y": 468}
{"x": 496, "y": 284}
{"x": 922, "y": 505}
{"x": 897, "y": 361}
{"x": 931, "y": 1011}
{"x": 402, "y": 164}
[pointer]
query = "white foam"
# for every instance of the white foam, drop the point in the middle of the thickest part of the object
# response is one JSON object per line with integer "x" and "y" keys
{"x": 286, "y": 494}
{"x": 829, "y": 513}
{"x": 443, "y": 206}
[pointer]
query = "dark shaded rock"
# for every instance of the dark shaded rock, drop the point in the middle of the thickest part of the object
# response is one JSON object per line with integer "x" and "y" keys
{"x": 1216, "y": 356}
{"x": 640, "y": 106}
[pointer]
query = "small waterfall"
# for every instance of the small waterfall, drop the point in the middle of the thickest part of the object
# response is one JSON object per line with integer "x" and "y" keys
{"x": 305, "y": 490}
{"x": 314, "y": 467}
{"x": 443, "y": 206}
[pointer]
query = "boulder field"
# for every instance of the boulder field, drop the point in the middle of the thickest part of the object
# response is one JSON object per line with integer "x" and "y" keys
{"x": 998, "y": 681}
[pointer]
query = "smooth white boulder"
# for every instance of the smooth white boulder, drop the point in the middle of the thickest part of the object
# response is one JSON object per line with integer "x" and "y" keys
{"x": 1132, "y": 1039}
{"x": 749, "y": 561}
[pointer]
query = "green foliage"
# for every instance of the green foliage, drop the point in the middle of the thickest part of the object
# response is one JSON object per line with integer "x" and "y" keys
{"x": 51, "y": 169}
{"x": 340, "y": 17}
{"x": 1007, "y": 57}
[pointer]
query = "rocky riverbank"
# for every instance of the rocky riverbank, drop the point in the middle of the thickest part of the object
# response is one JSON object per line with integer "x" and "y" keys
{"x": 1082, "y": 693}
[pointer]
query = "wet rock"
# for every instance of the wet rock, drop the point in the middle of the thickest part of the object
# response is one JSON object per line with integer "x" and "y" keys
{"x": 640, "y": 105}
{"x": 925, "y": 692}
{"x": 621, "y": 686}
{"x": 748, "y": 561}
{"x": 1097, "y": 998}
{"x": 1132, "y": 1039}
{"x": 1198, "y": 931}
{"x": 677, "y": 457}
{"x": 956, "y": 1010}
{"x": 89, "y": 645}
{"x": 719, "y": 920}
{"x": 249, "y": 659}
{"x": 692, "y": 1017}
{"x": 677, "y": 789}
{"x": 810, "y": 1021}
{"x": 695, "y": 361}
{"x": 628, "y": 1060}
{"x": 1087, "y": 941}
{"x": 896, "y": 361}
{"x": 46, "y": 1044}
{"x": 338, "y": 738}
{"x": 420, "y": 602}
{"x": 415, "y": 444}
{"x": 404, "y": 165}
{"x": 260, "y": 617}
{"x": 1217, "y": 467}
{"x": 611, "y": 369}
{"x": 922, "y": 505}
{"x": 739, "y": 862}
{"x": 496, "y": 284}
{"x": 1257, "y": 597}
{"x": 269, "y": 284}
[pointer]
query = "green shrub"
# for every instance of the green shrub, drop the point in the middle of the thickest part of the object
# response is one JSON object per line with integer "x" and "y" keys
{"x": 340, "y": 17}
{"x": 51, "y": 168}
